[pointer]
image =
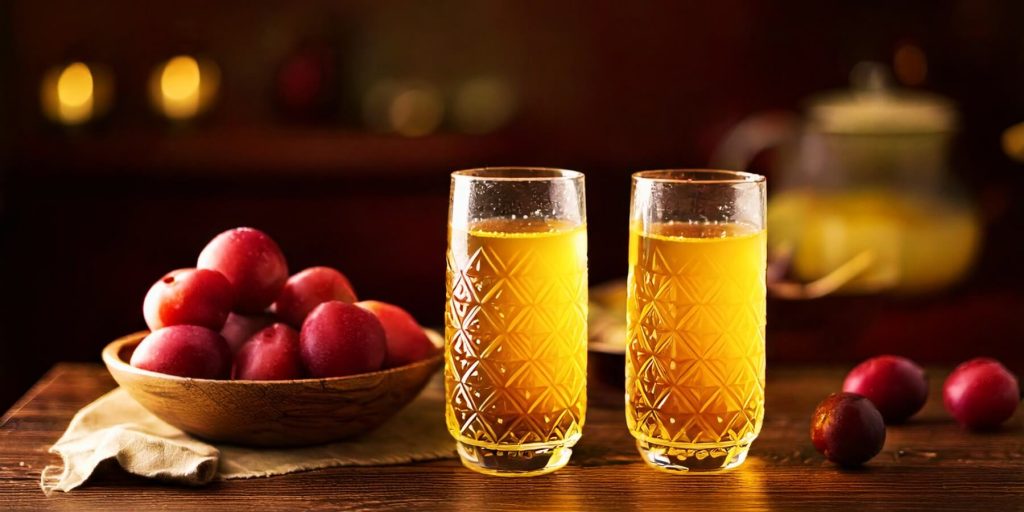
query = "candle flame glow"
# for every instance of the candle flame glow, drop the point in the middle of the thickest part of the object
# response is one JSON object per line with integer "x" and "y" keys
{"x": 183, "y": 87}
{"x": 69, "y": 94}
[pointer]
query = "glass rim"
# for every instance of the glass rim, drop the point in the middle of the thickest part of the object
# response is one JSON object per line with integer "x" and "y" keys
{"x": 698, "y": 176}
{"x": 509, "y": 173}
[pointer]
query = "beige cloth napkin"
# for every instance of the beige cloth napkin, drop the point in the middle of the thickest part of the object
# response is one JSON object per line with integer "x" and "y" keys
{"x": 116, "y": 427}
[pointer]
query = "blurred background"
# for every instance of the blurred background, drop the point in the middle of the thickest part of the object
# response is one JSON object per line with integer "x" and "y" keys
{"x": 132, "y": 132}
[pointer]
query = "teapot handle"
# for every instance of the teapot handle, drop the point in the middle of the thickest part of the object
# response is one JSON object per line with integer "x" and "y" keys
{"x": 748, "y": 138}
{"x": 753, "y": 135}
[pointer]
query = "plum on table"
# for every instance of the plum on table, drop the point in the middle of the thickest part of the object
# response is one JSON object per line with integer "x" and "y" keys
{"x": 981, "y": 393}
{"x": 896, "y": 385}
{"x": 847, "y": 429}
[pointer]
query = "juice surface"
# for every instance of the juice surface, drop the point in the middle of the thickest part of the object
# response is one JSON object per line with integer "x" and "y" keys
{"x": 695, "y": 344}
{"x": 516, "y": 333}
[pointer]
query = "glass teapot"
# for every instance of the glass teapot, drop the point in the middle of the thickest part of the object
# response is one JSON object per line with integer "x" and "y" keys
{"x": 862, "y": 194}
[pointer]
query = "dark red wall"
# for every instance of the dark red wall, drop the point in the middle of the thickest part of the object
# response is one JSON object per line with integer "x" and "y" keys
{"x": 91, "y": 217}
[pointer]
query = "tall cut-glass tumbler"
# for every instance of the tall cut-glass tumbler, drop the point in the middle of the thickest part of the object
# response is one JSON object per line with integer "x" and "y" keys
{"x": 695, "y": 315}
{"x": 516, "y": 318}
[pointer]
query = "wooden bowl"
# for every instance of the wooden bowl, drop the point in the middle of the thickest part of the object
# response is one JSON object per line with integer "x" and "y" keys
{"x": 271, "y": 413}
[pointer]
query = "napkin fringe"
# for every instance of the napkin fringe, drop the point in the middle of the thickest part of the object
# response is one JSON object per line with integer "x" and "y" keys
{"x": 115, "y": 427}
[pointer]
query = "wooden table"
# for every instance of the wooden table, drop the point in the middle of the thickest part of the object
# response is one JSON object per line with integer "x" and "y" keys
{"x": 927, "y": 464}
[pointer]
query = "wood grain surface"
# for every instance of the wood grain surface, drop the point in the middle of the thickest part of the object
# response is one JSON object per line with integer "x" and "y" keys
{"x": 927, "y": 464}
{"x": 272, "y": 413}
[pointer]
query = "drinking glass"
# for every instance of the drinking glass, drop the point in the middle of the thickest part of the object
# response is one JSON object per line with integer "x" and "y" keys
{"x": 695, "y": 317}
{"x": 516, "y": 318}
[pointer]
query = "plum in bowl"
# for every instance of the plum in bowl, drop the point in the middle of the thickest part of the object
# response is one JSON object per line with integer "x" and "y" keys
{"x": 279, "y": 413}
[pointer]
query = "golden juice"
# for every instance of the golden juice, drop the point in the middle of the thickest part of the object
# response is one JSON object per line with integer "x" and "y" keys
{"x": 695, "y": 358}
{"x": 515, "y": 338}
{"x": 900, "y": 232}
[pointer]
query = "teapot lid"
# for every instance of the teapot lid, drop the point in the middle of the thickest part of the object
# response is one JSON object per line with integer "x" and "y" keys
{"x": 874, "y": 105}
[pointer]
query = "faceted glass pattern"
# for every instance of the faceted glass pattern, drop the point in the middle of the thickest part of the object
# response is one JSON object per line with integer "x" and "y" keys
{"x": 515, "y": 329}
{"x": 696, "y": 354}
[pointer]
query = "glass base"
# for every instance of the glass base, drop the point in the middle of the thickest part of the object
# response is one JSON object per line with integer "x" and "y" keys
{"x": 514, "y": 463}
{"x": 693, "y": 458}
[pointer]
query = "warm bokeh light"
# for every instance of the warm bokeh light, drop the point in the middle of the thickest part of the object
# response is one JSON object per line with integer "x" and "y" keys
{"x": 483, "y": 105}
{"x": 1013, "y": 142}
{"x": 416, "y": 111}
{"x": 184, "y": 86}
{"x": 408, "y": 109}
{"x": 74, "y": 94}
{"x": 74, "y": 87}
{"x": 910, "y": 64}
{"x": 180, "y": 79}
